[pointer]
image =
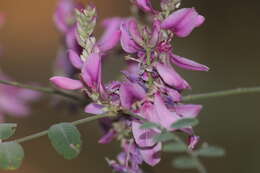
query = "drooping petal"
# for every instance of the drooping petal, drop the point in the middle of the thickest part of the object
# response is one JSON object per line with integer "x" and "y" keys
{"x": 66, "y": 83}
{"x": 187, "y": 63}
{"x": 75, "y": 59}
{"x": 91, "y": 71}
{"x": 188, "y": 110}
{"x": 183, "y": 21}
{"x": 152, "y": 155}
{"x": 145, "y": 5}
{"x": 94, "y": 108}
{"x": 112, "y": 34}
{"x": 171, "y": 77}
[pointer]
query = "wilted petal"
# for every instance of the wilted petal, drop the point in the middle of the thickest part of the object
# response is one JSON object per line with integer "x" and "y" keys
{"x": 66, "y": 83}
{"x": 93, "y": 108}
{"x": 145, "y": 5}
{"x": 187, "y": 63}
{"x": 91, "y": 71}
{"x": 152, "y": 155}
{"x": 75, "y": 59}
{"x": 183, "y": 21}
{"x": 171, "y": 77}
{"x": 112, "y": 34}
{"x": 188, "y": 110}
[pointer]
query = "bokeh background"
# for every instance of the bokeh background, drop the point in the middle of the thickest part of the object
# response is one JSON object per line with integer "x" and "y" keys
{"x": 228, "y": 43}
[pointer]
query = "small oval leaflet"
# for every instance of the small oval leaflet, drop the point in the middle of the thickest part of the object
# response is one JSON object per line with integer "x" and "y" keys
{"x": 174, "y": 147}
{"x": 7, "y": 130}
{"x": 211, "y": 151}
{"x": 185, "y": 122}
{"x": 11, "y": 155}
{"x": 150, "y": 125}
{"x": 184, "y": 162}
{"x": 66, "y": 140}
{"x": 164, "y": 137}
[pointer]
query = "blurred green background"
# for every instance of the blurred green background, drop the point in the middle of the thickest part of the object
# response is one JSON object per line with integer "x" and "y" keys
{"x": 228, "y": 43}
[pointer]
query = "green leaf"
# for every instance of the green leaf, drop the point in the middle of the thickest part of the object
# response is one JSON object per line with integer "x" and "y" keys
{"x": 7, "y": 130}
{"x": 185, "y": 122}
{"x": 164, "y": 137}
{"x": 185, "y": 162}
{"x": 174, "y": 147}
{"x": 66, "y": 139}
{"x": 211, "y": 151}
{"x": 149, "y": 125}
{"x": 11, "y": 155}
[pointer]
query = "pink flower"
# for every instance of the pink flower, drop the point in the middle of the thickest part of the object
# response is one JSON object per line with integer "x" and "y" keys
{"x": 183, "y": 21}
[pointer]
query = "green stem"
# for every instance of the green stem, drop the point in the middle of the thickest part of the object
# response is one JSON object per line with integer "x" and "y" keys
{"x": 45, "y": 132}
{"x": 148, "y": 62}
{"x": 225, "y": 93}
{"x": 41, "y": 89}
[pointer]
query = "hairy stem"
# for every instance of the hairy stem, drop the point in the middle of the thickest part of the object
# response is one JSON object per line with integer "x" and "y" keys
{"x": 148, "y": 62}
{"x": 42, "y": 89}
{"x": 225, "y": 93}
{"x": 45, "y": 132}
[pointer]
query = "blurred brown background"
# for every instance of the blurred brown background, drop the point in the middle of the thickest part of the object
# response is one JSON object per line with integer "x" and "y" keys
{"x": 228, "y": 43}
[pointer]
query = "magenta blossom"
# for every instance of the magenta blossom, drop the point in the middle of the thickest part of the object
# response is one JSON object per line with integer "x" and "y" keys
{"x": 183, "y": 21}
{"x": 145, "y": 5}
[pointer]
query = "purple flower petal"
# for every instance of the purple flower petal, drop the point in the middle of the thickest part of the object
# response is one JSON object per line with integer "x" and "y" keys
{"x": 166, "y": 117}
{"x": 127, "y": 42}
{"x": 134, "y": 31}
{"x": 66, "y": 83}
{"x": 193, "y": 141}
{"x": 187, "y": 63}
{"x": 183, "y": 21}
{"x": 152, "y": 155}
{"x": 130, "y": 93}
{"x": 108, "y": 137}
{"x": 155, "y": 33}
{"x": 112, "y": 34}
{"x": 75, "y": 59}
{"x": 145, "y": 5}
{"x": 91, "y": 71}
{"x": 143, "y": 137}
{"x": 188, "y": 110}
{"x": 171, "y": 77}
{"x": 93, "y": 108}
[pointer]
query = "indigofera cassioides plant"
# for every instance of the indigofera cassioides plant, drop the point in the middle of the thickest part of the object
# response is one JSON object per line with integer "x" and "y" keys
{"x": 145, "y": 110}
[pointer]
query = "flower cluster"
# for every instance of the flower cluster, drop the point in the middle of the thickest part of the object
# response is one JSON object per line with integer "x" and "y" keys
{"x": 151, "y": 89}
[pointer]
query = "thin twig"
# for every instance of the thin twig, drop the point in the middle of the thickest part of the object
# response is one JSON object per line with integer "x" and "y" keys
{"x": 45, "y": 132}
{"x": 42, "y": 89}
